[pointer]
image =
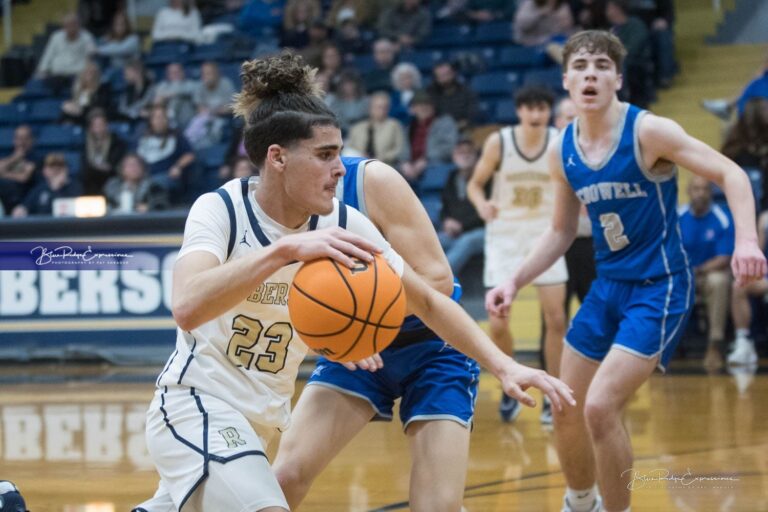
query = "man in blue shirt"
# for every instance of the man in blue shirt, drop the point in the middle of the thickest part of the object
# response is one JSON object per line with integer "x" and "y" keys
{"x": 708, "y": 238}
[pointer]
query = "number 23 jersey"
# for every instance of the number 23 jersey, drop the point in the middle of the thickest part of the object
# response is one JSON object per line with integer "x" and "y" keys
{"x": 633, "y": 210}
{"x": 250, "y": 355}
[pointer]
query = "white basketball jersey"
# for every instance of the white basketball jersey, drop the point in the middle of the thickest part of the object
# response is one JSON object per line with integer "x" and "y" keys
{"x": 522, "y": 188}
{"x": 250, "y": 355}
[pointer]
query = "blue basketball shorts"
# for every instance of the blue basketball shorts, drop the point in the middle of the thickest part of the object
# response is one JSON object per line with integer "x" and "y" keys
{"x": 645, "y": 318}
{"x": 434, "y": 380}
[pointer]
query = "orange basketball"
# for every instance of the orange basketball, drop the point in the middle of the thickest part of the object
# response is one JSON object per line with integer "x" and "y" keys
{"x": 347, "y": 314}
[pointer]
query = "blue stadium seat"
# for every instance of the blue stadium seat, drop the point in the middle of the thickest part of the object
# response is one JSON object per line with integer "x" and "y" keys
{"x": 473, "y": 59}
{"x": 12, "y": 114}
{"x": 434, "y": 178}
{"x": 497, "y": 32}
{"x": 506, "y": 112}
{"x": 214, "y": 156}
{"x": 216, "y": 52}
{"x": 433, "y": 205}
{"x": 231, "y": 70}
{"x": 446, "y": 35}
{"x": 520, "y": 57}
{"x": 495, "y": 83}
{"x": 35, "y": 89}
{"x": 6, "y": 139}
{"x": 165, "y": 52}
{"x": 54, "y": 136}
{"x": 121, "y": 129}
{"x": 74, "y": 162}
{"x": 756, "y": 180}
{"x": 486, "y": 110}
{"x": 549, "y": 77}
{"x": 364, "y": 63}
{"x": 44, "y": 111}
{"x": 424, "y": 60}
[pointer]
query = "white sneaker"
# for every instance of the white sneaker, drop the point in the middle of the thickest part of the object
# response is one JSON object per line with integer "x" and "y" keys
{"x": 743, "y": 353}
{"x": 597, "y": 505}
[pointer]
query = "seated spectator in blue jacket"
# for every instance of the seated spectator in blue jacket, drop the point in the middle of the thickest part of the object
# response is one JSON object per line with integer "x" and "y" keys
{"x": 56, "y": 184}
{"x": 261, "y": 13}
{"x": 431, "y": 138}
{"x": 17, "y": 170}
{"x": 708, "y": 238}
{"x": 167, "y": 154}
{"x": 407, "y": 23}
{"x": 462, "y": 234}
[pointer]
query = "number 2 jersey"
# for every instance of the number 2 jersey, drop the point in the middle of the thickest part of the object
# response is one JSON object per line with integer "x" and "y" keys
{"x": 250, "y": 355}
{"x": 633, "y": 210}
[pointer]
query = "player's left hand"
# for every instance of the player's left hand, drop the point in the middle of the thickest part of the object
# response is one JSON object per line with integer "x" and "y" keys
{"x": 748, "y": 262}
{"x": 518, "y": 378}
{"x": 371, "y": 364}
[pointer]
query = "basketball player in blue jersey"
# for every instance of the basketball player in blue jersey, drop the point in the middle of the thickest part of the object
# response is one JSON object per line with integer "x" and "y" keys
{"x": 620, "y": 162}
{"x": 226, "y": 390}
{"x": 437, "y": 384}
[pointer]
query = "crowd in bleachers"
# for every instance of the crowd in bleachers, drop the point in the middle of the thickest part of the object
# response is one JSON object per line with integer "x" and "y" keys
{"x": 144, "y": 119}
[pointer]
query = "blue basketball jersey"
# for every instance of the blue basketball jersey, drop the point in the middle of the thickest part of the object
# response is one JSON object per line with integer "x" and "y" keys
{"x": 635, "y": 227}
{"x": 350, "y": 191}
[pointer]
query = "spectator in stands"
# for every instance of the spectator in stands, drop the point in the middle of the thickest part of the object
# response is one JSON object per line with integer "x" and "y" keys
{"x": 431, "y": 138}
{"x": 132, "y": 191}
{"x": 66, "y": 54}
{"x": 97, "y": 15}
{"x": 451, "y": 96}
{"x": 659, "y": 17}
{"x": 88, "y": 92}
{"x": 176, "y": 93}
{"x": 744, "y": 353}
{"x": 537, "y": 22}
{"x": 405, "y": 80}
{"x": 318, "y": 40}
{"x": 212, "y": 100}
{"x": 348, "y": 101}
{"x": 121, "y": 45}
{"x": 747, "y": 143}
{"x": 17, "y": 171}
{"x": 590, "y": 14}
{"x": 407, "y": 23}
{"x": 463, "y": 231}
{"x": 379, "y": 136}
{"x": 483, "y": 11}
{"x": 757, "y": 88}
{"x": 235, "y": 151}
{"x": 330, "y": 65}
{"x": 261, "y": 13}
{"x": 102, "y": 152}
{"x": 638, "y": 64}
{"x": 56, "y": 184}
{"x": 296, "y": 21}
{"x": 708, "y": 237}
{"x": 363, "y": 12}
{"x": 241, "y": 167}
{"x": 167, "y": 154}
{"x": 384, "y": 57}
{"x": 133, "y": 101}
{"x": 180, "y": 21}
{"x": 349, "y": 37}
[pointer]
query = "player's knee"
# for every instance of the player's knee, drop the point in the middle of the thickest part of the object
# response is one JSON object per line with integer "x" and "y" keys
{"x": 555, "y": 321}
{"x": 292, "y": 479}
{"x": 601, "y": 416}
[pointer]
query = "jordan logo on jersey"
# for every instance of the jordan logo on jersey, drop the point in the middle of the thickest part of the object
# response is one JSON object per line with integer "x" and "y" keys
{"x": 270, "y": 293}
{"x": 570, "y": 162}
{"x": 232, "y": 437}
{"x": 244, "y": 241}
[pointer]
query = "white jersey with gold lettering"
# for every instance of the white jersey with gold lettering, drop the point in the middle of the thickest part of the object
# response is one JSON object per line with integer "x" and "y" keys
{"x": 524, "y": 194}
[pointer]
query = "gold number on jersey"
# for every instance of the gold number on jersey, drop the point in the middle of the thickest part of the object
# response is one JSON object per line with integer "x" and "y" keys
{"x": 613, "y": 230}
{"x": 247, "y": 333}
{"x": 527, "y": 197}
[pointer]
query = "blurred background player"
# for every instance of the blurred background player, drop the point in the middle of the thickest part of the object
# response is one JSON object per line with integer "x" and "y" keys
{"x": 517, "y": 212}
{"x": 620, "y": 162}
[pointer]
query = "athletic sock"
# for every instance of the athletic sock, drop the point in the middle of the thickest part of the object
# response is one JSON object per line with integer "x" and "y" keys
{"x": 583, "y": 500}
{"x": 742, "y": 334}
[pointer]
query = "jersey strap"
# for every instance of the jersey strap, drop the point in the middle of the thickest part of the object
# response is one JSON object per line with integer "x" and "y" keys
{"x": 342, "y": 215}
{"x": 232, "y": 222}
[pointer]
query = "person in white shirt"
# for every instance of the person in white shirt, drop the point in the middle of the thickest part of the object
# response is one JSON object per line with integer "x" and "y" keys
{"x": 180, "y": 21}
{"x": 227, "y": 389}
{"x": 66, "y": 53}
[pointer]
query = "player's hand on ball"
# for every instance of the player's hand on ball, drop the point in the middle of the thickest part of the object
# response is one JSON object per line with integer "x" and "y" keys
{"x": 748, "y": 262}
{"x": 371, "y": 364}
{"x": 339, "y": 244}
{"x": 498, "y": 300}
{"x": 518, "y": 378}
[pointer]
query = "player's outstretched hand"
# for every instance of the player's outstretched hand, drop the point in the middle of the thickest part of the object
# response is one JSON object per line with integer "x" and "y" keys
{"x": 371, "y": 364}
{"x": 498, "y": 300}
{"x": 518, "y": 378}
{"x": 339, "y": 244}
{"x": 748, "y": 262}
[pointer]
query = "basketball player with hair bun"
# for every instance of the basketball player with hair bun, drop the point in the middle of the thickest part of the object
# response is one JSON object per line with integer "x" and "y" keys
{"x": 215, "y": 410}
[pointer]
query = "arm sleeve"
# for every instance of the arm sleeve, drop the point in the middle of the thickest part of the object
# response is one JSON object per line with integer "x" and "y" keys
{"x": 207, "y": 227}
{"x": 360, "y": 225}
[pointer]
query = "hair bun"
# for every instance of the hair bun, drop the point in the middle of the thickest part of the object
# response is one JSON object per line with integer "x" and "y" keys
{"x": 273, "y": 77}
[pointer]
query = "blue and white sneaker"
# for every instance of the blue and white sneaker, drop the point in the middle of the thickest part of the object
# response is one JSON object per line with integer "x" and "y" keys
{"x": 509, "y": 408}
{"x": 546, "y": 413}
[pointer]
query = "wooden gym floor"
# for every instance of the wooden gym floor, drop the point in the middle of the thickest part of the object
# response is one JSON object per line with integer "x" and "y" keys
{"x": 72, "y": 439}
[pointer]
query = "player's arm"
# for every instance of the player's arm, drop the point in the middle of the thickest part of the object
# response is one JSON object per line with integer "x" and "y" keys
{"x": 205, "y": 288}
{"x": 449, "y": 321}
{"x": 398, "y": 214}
{"x": 552, "y": 244}
{"x": 664, "y": 139}
{"x": 489, "y": 161}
